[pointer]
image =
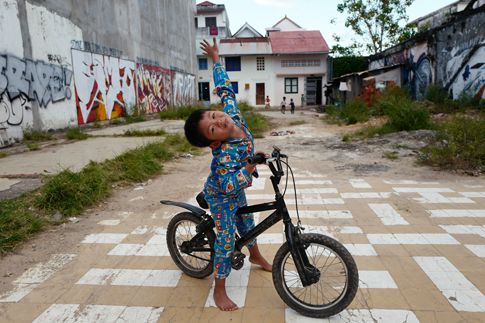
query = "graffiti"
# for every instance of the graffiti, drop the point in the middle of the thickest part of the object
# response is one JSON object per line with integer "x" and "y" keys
{"x": 422, "y": 77}
{"x": 154, "y": 88}
{"x": 104, "y": 85}
{"x": 37, "y": 81}
{"x": 12, "y": 110}
{"x": 183, "y": 88}
{"x": 471, "y": 78}
{"x": 95, "y": 48}
{"x": 146, "y": 61}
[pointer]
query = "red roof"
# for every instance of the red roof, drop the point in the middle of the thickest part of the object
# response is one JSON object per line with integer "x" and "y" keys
{"x": 293, "y": 42}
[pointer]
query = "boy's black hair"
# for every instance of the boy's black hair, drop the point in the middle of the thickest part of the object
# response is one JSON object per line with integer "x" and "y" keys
{"x": 192, "y": 132}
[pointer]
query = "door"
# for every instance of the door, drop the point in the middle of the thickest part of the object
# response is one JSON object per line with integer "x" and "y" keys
{"x": 313, "y": 91}
{"x": 204, "y": 94}
{"x": 259, "y": 93}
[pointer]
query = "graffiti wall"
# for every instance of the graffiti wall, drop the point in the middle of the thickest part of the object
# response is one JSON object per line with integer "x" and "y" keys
{"x": 461, "y": 56}
{"x": 154, "y": 88}
{"x": 23, "y": 81}
{"x": 415, "y": 65}
{"x": 183, "y": 88}
{"x": 104, "y": 86}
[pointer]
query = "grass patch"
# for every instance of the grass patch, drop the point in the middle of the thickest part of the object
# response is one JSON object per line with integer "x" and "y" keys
{"x": 144, "y": 133}
{"x": 297, "y": 122}
{"x": 36, "y": 135}
{"x": 352, "y": 112}
{"x": 76, "y": 134}
{"x": 17, "y": 222}
{"x": 391, "y": 155}
{"x": 135, "y": 118}
{"x": 32, "y": 146}
{"x": 117, "y": 121}
{"x": 179, "y": 113}
{"x": 256, "y": 121}
{"x": 459, "y": 145}
{"x": 3, "y": 154}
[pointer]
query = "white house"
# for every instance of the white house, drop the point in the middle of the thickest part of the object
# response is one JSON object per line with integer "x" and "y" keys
{"x": 287, "y": 62}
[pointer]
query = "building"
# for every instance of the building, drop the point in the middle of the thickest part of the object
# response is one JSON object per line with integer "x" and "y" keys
{"x": 287, "y": 61}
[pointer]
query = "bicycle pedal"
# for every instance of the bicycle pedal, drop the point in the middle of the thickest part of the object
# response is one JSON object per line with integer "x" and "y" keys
{"x": 237, "y": 260}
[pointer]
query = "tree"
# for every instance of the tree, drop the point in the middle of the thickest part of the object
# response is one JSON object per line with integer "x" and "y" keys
{"x": 376, "y": 21}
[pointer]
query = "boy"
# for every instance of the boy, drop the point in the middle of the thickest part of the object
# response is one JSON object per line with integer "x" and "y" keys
{"x": 268, "y": 103}
{"x": 283, "y": 105}
{"x": 292, "y": 106}
{"x": 231, "y": 141}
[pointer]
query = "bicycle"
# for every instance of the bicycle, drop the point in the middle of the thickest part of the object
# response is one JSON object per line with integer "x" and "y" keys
{"x": 301, "y": 273}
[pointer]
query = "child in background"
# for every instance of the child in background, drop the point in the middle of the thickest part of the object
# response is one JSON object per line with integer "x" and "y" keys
{"x": 267, "y": 101}
{"x": 292, "y": 106}
{"x": 283, "y": 105}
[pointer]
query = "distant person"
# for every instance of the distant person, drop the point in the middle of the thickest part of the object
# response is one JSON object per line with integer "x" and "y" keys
{"x": 292, "y": 106}
{"x": 328, "y": 95}
{"x": 267, "y": 103}
{"x": 283, "y": 105}
{"x": 302, "y": 100}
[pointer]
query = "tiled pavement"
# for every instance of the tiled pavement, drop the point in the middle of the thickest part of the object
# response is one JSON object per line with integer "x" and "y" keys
{"x": 419, "y": 247}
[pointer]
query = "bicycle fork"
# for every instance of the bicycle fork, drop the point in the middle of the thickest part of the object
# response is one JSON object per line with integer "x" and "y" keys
{"x": 308, "y": 273}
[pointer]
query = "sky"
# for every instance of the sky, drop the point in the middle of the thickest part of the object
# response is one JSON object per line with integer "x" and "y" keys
{"x": 309, "y": 14}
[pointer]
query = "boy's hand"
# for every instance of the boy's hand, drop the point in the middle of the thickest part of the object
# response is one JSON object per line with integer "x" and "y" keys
{"x": 210, "y": 50}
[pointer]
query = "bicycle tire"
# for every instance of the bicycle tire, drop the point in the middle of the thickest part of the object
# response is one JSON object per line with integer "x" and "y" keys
{"x": 304, "y": 307}
{"x": 180, "y": 258}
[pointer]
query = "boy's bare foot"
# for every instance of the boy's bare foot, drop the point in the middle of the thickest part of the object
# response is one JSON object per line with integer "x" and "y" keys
{"x": 261, "y": 262}
{"x": 223, "y": 302}
{"x": 255, "y": 257}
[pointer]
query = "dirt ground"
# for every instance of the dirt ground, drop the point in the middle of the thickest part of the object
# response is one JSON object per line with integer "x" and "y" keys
{"x": 313, "y": 146}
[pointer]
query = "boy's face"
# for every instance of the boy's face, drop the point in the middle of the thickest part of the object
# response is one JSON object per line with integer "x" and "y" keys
{"x": 217, "y": 126}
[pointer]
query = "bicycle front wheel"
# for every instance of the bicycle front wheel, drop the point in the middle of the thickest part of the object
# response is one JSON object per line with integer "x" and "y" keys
{"x": 338, "y": 283}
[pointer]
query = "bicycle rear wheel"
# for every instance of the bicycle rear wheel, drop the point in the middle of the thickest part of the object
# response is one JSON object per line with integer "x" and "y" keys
{"x": 193, "y": 256}
{"x": 338, "y": 283}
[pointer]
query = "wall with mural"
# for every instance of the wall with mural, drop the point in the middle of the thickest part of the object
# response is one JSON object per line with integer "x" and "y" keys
{"x": 59, "y": 67}
{"x": 104, "y": 86}
{"x": 154, "y": 88}
{"x": 460, "y": 54}
{"x": 451, "y": 56}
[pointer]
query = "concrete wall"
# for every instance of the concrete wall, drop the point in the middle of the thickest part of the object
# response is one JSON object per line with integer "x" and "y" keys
{"x": 69, "y": 62}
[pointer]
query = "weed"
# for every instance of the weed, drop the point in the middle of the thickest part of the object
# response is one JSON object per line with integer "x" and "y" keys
{"x": 17, "y": 222}
{"x": 297, "y": 122}
{"x": 436, "y": 94}
{"x": 458, "y": 146}
{"x": 32, "y": 146}
{"x": 180, "y": 112}
{"x": 135, "y": 118}
{"x": 76, "y": 134}
{"x": 144, "y": 133}
{"x": 392, "y": 155}
{"x": 117, "y": 121}
{"x": 97, "y": 125}
{"x": 36, "y": 135}
{"x": 256, "y": 121}
{"x": 3, "y": 154}
{"x": 354, "y": 111}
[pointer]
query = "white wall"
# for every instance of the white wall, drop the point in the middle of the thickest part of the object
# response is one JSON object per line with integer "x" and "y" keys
{"x": 11, "y": 36}
{"x": 51, "y": 36}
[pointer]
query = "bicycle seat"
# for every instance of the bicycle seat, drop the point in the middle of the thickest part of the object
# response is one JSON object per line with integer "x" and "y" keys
{"x": 201, "y": 201}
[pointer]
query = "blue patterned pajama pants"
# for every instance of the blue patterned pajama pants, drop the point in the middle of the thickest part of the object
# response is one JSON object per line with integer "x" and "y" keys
{"x": 223, "y": 210}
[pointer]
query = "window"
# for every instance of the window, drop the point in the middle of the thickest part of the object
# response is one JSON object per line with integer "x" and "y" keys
{"x": 196, "y": 23}
{"x": 260, "y": 63}
{"x": 235, "y": 87}
{"x": 291, "y": 85}
{"x": 202, "y": 64}
{"x": 233, "y": 64}
{"x": 210, "y": 21}
{"x": 300, "y": 63}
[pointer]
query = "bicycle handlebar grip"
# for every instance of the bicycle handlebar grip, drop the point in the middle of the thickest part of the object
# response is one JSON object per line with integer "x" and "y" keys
{"x": 257, "y": 159}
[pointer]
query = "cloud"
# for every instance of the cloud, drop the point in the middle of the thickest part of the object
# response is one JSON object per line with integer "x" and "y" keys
{"x": 275, "y": 3}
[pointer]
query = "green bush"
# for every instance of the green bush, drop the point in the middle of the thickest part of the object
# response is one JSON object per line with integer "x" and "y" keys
{"x": 436, "y": 94}
{"x": 390, "y": 98}
{"x": 408, "y": 115}
{"x": 354, "y": 111}
{"x": 256, "y": 121}
{"x": 459, "y": 145}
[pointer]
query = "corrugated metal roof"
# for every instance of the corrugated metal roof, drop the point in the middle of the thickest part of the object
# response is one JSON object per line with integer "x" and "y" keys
{"x": 304, "y": 41}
